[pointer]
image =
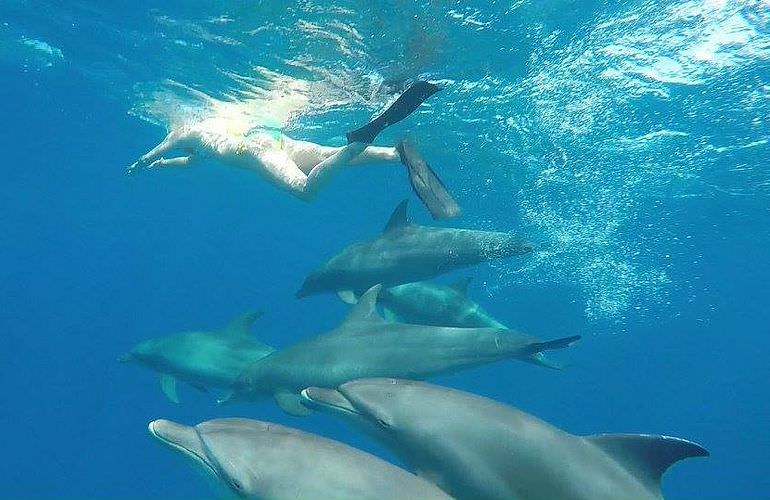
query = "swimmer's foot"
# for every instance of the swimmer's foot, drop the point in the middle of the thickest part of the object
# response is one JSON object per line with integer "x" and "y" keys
{"x": 426, "y": 183}
{"x": 406, "y": 103}
{"x": 141, "y": 164}
{"x": 144, "y": 164}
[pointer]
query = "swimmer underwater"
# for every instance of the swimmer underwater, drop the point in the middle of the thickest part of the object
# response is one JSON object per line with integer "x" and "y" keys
{"x": 303, "y": 167}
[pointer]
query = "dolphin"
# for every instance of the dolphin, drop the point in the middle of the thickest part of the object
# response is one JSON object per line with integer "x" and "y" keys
{"x": 202, "y": 359}
{"x": 365, "y": 345}
{"x": 405, "y": 253}
{"x": 426, "y": 303}
{"x": 254, "y": 459}
{"x": 473, "y": 447}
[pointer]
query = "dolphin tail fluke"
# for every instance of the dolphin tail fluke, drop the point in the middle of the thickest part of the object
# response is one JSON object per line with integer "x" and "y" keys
{"x": 406, "y": 103}
{"x": 541, "y": 359}
{"x": 426, "y": 184}
{"x": 551, "y": 345}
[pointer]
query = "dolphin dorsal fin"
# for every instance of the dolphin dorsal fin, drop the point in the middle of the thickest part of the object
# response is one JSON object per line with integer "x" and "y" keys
{"x": 647, "y": 456}
{"x": 398, "y": 218}
{"x": 461, "y": 286}
{"x": 242, "y": 324}
{"x": 366, "y": 309}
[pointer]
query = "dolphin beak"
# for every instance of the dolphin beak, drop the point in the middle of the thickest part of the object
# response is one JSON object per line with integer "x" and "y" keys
{"x": 177, "y": 436}
{"x": 181, "y": 438}
{"x": 158, "y": 428}
{"x": 319, "y": 398}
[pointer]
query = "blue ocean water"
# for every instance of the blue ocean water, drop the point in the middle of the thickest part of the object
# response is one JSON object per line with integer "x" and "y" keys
{"x": 630, "y": 139}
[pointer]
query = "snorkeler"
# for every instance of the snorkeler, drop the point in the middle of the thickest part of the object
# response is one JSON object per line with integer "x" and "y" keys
{"x": 302, "y": 167}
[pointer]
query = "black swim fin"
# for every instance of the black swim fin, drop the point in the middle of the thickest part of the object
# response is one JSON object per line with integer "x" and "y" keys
{"x": 426, "y": 184}
{"x": 406, "y": 103}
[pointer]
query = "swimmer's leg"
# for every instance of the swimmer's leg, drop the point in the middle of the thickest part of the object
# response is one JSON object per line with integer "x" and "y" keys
{"x": 324, "y": 171}
{"x": 170, "y": 142}
{"x": 280, "y": 169}
{"x": 309, "y": 154}
{"x": 406, "y": 103}
{"x": 376, "y": 154}
{"x": 426, "y": 183}
{"x": 179, "y": 161}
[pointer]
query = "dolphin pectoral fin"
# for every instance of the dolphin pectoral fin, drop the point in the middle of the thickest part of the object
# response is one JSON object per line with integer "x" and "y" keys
{"x": 168, "y": 386}
{"x": 347, "y": 296}
{"x": 291, "y": 403}
{"x": 647, "y": 456}
{"x": 550, "y": 345}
